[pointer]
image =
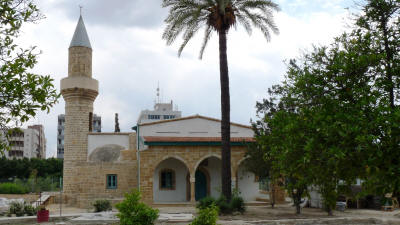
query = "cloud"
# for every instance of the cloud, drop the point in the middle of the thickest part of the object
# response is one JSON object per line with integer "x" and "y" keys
{"x": 116, "y": 13}
{"x": 130, "y": 58}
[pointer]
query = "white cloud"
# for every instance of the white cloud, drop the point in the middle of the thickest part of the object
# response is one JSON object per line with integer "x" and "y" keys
{"x": 128, "y": 61}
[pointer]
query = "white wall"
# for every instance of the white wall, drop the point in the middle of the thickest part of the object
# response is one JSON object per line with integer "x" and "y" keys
{"x": 177, "y": 195}
{"x": 195, "y": 127}
{"x": 98, "y": 140}
{"x": 31, "y": 143}
{"x": 214, "y": 170}
{"x": 248, "y": 187}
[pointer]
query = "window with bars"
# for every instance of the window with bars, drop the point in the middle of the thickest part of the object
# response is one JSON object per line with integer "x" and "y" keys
{"x": 111, "y": 181}
{"x": 167, "y": 179}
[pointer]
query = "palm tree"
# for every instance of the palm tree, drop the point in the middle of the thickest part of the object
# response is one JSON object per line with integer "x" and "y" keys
{"x": 187, "y": 17}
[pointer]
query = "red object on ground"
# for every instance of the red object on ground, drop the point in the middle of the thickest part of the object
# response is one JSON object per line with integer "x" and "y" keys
{"x": 43, "y": 216}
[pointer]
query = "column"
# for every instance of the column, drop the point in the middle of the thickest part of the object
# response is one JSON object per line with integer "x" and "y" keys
{"x": 192, "y": 191}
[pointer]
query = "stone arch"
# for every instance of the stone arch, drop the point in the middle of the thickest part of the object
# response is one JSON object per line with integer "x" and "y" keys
{"x": 170, "y": 156}
{"x": 201, "y": 160}
{"x": 247, "y": 183}
{"x": 212, "y": 170}
{"x": 236, "y": 166}
{"x": 180, "y": 170}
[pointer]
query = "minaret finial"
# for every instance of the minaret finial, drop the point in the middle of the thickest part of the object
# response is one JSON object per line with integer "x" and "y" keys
{"x": 80, "y": 10}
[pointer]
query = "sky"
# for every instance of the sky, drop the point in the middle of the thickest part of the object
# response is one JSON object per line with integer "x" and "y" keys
{"x": 130, "y": 58}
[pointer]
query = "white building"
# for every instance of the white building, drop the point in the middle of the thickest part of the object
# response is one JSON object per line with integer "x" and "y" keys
{"x": 197, "y": 135}
{"x": 27, "y": 143}
{"x": 161, "y": 111}
{"x": 60, "y": 132}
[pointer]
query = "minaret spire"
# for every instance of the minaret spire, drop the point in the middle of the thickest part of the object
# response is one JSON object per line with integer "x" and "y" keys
{"x": 80, "y": 37}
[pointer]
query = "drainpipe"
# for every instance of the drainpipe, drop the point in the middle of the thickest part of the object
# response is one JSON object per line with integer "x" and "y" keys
{"x": 138, "y": 153}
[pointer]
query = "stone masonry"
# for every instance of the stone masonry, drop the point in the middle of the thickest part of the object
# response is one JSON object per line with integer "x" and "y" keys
{"x": 191, "y": 156}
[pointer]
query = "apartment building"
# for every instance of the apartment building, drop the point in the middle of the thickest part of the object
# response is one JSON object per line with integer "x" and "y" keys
{"x": 60, "y": 132}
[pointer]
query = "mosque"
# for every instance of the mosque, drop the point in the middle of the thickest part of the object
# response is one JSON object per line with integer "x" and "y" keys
{"x": 175, "y": 161}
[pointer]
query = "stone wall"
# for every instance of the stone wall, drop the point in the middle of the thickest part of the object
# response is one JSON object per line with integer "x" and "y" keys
{"x": 80, "y": 61}
{"x": 191, "y": 156}
{"x": 91, "y": 181}
{"x": 87, "y": 180}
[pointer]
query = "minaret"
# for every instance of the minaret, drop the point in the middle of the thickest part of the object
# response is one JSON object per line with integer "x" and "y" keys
{"x": 79, "y": 91}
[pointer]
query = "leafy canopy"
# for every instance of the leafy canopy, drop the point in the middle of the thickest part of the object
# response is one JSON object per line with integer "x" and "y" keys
{"x": 335, "y": 117}
{"x": 22, "y": 92}
{"x": 187, "y": 17}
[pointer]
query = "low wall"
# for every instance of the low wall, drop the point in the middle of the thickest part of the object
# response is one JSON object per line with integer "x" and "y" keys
{"x": 27, "y": 197}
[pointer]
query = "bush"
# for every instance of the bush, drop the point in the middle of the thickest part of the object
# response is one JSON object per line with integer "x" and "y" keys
{"x": 29, "y": 210}
{"x": 12, "y": 188}
{"x": 237, "y": 204}
{"x": 205, "y": 202}
{"x": 207, "y": 216}
{"x": 102, "y": 205}
{"x": 16, "y": 208}
{"x": 131, "y": 211}
{"x": 223, "y": 205}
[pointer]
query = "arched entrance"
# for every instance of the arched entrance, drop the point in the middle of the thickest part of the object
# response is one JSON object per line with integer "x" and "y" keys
{"x": 208, "y": 178}
{"x": 202, "y": 184}
{"x": 170, "y": 182}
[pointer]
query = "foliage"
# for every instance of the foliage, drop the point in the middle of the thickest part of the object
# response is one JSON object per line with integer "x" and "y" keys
{"x": 207, "y": 216}
{"x": 29, "y": 210}
{"x": 17, "y": 208}
{"x": 132, "y": 211}
{"x": 337, "y": 110}
{"x": 237, "y": 204}
{"x": 22, "y": 93}
{"x": 12, "y": 188}
{"x": 102, "y": 205}
{"x": 188, "y": 17}
{"x": 205, "y": 202}
{"x": 21, "y": 208}
{"x": 23, "y": 168}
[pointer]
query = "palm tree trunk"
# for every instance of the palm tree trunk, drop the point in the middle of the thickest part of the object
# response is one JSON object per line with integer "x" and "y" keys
{"x": 225, "y": 118}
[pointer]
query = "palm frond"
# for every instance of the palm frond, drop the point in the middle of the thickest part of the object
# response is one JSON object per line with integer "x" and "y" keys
{"x": 245, "y": 22}
{"x": 207, "y": 36}
{"x": 187, "y": 17}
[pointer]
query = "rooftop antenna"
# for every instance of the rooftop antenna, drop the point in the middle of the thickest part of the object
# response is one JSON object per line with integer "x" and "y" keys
{"x": 158, "y": 92}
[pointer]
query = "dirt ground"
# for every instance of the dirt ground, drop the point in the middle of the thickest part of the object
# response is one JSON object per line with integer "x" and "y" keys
{"x": 265, "y": 215}
{"x": 257, "y": 213}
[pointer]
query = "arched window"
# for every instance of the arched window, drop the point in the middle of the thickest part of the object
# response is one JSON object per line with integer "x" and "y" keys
{"x": 167, "y": 179}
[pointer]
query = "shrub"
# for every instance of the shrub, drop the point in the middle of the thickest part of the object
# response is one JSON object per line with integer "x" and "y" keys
{"x": 207, "y": 216}
{"x": 29, "y": 210}
{"x": 102, "y": 205}
{"x": 205, "y": 202}
{"x": 12, "y": 188}
{"x": 132, "y": 211}
{"x": 16, "y": 208}
{"x": 223, "y": 205}
{"x": 237, "y": 204}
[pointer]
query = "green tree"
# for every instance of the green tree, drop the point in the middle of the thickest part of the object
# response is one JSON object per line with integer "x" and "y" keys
{"x": 22, "y": 93}
{"x": 319, "y": 125}
{"x": 187, "y": 17}
{"x": 379, "y": 27}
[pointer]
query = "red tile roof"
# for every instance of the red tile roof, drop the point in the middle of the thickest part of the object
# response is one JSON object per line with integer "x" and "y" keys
{"x": 195, "y": 139}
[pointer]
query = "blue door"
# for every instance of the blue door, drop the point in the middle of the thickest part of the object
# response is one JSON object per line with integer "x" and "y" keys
{"x": 201, "y": 185}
